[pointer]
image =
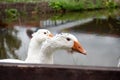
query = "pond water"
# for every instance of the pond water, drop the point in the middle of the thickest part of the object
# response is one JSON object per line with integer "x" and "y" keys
{"x": 97, "y": 31}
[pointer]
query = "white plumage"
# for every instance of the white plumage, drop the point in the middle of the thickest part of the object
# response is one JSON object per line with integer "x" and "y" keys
{"x": 44, "y": 54}
{"x": 34, "y": 47}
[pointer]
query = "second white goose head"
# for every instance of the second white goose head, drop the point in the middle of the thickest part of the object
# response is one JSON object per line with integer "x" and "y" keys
{"x": 35, "y": 44}
{"x": 42, "y": 35}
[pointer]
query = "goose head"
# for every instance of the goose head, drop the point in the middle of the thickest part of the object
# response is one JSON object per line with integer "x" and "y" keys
{"x": 68, "y": 41}
{"x": 35, "y": 44}
{"x": 64, "y": 41}
{"x": 42, "y": 35}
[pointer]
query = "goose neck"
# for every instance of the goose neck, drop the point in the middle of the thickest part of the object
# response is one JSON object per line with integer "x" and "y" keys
{"x": 46, "y": 54}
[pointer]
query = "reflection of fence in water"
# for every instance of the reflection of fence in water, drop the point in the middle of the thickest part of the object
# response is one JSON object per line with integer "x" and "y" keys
{"x": 50, "y": 23}
{"x": 9, "y": 43}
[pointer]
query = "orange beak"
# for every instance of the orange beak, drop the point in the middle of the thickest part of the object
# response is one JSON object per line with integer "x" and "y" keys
{"x": 50, "y": 35}
{"x": 78, "y": 47}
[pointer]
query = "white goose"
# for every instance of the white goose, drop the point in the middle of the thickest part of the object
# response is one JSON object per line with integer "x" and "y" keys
{"x": 60, "y": 41}
{"x": 34, "y": 47}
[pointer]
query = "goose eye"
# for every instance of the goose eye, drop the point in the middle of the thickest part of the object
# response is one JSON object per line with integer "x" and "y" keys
{"x": 45, "y": 33}
{"x": 68, "y": 39}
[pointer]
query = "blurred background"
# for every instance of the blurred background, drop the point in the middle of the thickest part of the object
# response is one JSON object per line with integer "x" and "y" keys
{"x": 96, "y": 24}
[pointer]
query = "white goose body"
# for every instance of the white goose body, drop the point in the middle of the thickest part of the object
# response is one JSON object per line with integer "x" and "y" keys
{"x": 11, "y": 61}
{"x": 34, "y": 47}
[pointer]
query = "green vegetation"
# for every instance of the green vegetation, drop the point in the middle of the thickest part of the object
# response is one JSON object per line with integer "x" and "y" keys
{"x": 10, "y": 1}
{"x": 73, "y": 5}
{"x": 110, "y": 4}
{"x": 12, "y": 14}
{"x": 86, "y": 15}
{"x": 66, "y": 4}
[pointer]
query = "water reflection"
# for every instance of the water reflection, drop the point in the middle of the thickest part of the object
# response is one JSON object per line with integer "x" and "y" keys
{"x": 108, "y": 26}
{"x": 98, "y": 32}
{"x": 9, "y": 43}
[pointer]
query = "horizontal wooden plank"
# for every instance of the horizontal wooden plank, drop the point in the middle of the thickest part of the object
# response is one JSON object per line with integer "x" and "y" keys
{"x": 9, "y": 71}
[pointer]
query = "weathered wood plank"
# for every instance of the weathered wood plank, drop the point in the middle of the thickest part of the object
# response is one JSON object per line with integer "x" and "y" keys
{"x": 56, "y": 72}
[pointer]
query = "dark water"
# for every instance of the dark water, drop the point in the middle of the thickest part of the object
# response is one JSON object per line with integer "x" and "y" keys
{"x": 98, "y": 32}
